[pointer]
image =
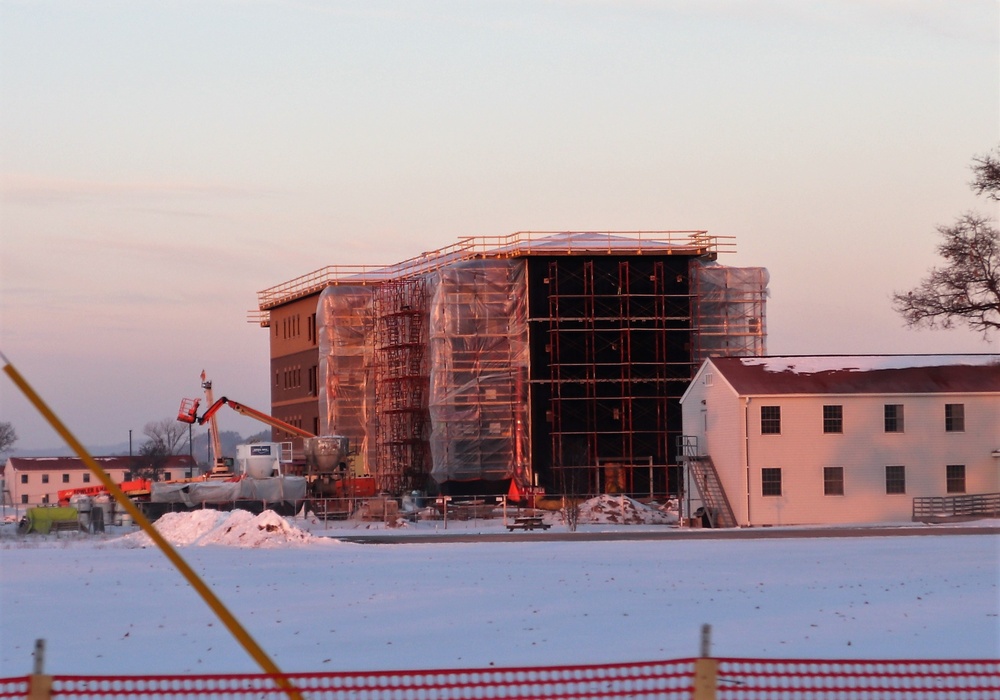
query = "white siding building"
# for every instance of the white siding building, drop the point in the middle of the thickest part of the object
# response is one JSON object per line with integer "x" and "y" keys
{"x": 33, "y": 481}
{"x": 843, "y": 439}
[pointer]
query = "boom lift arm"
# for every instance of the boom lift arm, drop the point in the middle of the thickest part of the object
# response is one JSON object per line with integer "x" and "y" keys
{"x": 189, "y": 414}
{"x": 328, "y": 472}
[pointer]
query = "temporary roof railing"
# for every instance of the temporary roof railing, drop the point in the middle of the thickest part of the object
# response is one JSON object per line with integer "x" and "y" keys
{"x": 518, "y": 244}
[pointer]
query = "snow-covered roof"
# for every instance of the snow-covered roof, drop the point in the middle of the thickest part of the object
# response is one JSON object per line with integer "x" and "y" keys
{"x": 861, "y": 374}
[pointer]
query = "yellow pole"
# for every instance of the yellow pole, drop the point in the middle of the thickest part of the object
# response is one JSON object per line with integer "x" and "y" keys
{"x": 231, "y": 623}
{"x": 706, "y": 669}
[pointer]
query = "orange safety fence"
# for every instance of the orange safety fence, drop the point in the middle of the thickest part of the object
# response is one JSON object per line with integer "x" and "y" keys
{"x": 734, "y": 679}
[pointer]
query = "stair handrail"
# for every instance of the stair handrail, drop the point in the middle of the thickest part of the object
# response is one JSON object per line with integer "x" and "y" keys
{"x": 688, "y": 451}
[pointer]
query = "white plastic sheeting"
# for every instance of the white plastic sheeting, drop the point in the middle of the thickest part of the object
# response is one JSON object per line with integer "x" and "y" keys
{"x": 728, "y": 311}
{"x": 346, "y": 391}
{"x": 477, "y": 367}
{"x": 476, "y": 360}
{"x": 195, "y": 493}
{"x": 478, "y": 371}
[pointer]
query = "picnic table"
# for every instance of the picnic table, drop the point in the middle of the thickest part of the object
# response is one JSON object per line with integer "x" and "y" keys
{"x": 528, "y": 522}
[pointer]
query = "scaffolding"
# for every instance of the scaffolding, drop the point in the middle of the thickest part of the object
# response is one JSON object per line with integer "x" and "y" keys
{"x": 478, "y": 377}
{"x": 346, "y": 392}
{"x": 557, "y": 361}
{"x": 401, "y": 380}
{"x": 616, "y": 360}
{"x": 728, "y": 307}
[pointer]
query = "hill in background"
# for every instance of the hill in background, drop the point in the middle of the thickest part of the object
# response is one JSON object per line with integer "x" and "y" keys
{"x": 199, "y": 447}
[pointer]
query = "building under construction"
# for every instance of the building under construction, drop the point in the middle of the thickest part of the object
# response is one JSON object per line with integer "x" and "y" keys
{"x": 553, "y": 360}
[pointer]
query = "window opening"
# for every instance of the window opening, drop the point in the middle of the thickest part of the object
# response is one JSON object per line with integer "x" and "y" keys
{"x": 770, "y": 481}
{"x": 833, "y": 481}
{"x": 955, "y": 476}
{"x": 833, "y": 419}
{"x": 954, "y": 417}
{"x": 770, "y": 420}
{"x": 894, "y": 418}
{"x": 895, "y": 479}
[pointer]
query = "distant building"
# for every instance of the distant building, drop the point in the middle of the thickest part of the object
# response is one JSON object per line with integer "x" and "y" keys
{"x": 38, "y": 480}
{"x": 542, "y": 359}
{"x": 840, "y": 439}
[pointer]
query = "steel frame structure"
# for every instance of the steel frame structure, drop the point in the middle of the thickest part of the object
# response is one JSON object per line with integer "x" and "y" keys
{"x": 616, "y": 359}
{"x": 573, "y": 367}
{"x": 401, "y": 383}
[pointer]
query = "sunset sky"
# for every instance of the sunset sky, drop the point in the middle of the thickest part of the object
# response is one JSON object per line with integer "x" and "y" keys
{"x": 161, "y": 162}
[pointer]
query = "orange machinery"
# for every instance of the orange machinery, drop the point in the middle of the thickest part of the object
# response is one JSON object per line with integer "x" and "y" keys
{"x": 136, "y": 488}
{"x": 323, "y": 485}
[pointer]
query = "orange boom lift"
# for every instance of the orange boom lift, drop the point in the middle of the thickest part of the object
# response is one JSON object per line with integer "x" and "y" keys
{"x": 323, "y": 485}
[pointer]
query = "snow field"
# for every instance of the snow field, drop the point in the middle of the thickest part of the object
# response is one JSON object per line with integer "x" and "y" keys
{"x": 314, "y": 604}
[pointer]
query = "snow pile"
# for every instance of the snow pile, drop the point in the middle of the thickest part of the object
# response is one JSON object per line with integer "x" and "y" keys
{"x": 238, "y": 528}
{"x": 622, "y": 510}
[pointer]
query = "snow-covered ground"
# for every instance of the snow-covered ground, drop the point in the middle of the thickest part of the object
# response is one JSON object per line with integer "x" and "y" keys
{"x": 112, "y": 604}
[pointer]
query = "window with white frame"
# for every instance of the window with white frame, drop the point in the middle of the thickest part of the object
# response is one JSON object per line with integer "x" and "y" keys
{"x": 770, "y": 481}
{"x": 954, "y": 417}
{"x": 894, "y": 418}
{"x": 833, "y": 419}
{"x": 833, "y": 481}
{"x": 770, "y": 420}
{"x": 895, "y": 479}
{"x": 955, "y": 478}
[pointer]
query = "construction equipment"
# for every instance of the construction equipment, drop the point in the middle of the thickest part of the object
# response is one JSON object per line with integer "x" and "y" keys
{"x": 326, "y": 456}
{"x": 221, "y": 467}
{"x": 46, "y": 519}
{"x": 136, "y": 489}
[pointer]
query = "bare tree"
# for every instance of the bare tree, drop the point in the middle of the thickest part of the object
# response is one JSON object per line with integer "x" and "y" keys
{"x": 165, "y": 437}
{"x": 7, "y": 436}
{"x": 967, "y": 288}
{"x": 987, "y": 171}
{"x": 150, "y": 462}
{"x": 167, "y": 433}
{"x": 573, "y": 484}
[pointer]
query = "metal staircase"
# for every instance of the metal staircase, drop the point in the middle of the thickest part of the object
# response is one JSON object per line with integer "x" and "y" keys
{"x": 706, "y": 479}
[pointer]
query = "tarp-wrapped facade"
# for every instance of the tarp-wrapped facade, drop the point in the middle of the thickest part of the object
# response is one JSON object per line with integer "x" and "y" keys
{"x": 728, "y": 311}
{"x": 478, "y": 371}
{"x": 531, "y": 361}
{"x": 346, "y": 391}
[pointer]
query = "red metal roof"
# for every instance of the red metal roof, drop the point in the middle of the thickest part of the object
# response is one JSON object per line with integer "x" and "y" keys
{"x": 861, "y": 374}
{"x": 68, "y": 464}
